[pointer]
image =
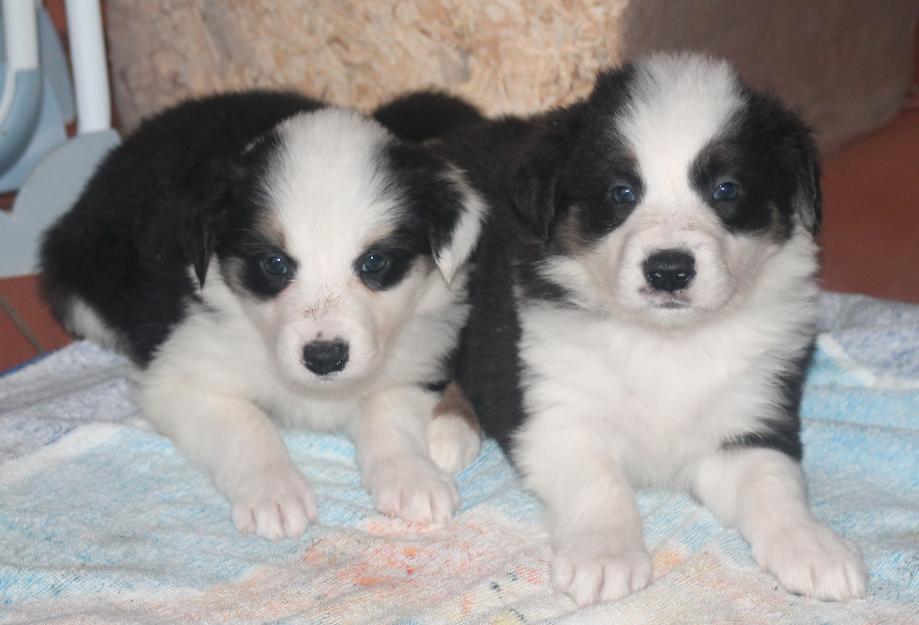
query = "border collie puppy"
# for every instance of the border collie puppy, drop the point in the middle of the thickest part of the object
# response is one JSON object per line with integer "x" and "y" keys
{"x": 643, "y": 306}
{"x": 265, "y": 260}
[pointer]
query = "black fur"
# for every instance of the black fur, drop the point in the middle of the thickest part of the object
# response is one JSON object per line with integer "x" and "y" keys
{"x": 783, "y": 434}
{"x": 770, "y": 153}
{"x": 187, "y": 187}
{"x": 152, "y": 209}
{"x": 432, "y": 204}
{"x": 548, "y": 180}
{"x": 422, "y": 115}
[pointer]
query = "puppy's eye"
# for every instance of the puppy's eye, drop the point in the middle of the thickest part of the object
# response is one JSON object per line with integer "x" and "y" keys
{"x": 275, "y": 265}
{"x": 374, "y": 263}
{"x": 725, "y": 192}
{"x": 622, "y": 194}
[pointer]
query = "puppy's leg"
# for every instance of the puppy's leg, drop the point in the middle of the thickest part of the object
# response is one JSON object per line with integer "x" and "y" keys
{"x": 241, "y": 450}
{"x": 392, "y": 449}
{"x": 762, "y": 493}
{"x": 454, "y": 436}
{"x": 596, "y": 528}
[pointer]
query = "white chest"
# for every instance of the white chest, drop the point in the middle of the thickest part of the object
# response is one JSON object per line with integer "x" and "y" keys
{"x": 296, "y": 410}
{"x": 656, "y": 401}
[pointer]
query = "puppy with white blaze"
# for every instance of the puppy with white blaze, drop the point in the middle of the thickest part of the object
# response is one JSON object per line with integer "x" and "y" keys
{"x": 643, "y": 306}
{"x": 267, "y": 260}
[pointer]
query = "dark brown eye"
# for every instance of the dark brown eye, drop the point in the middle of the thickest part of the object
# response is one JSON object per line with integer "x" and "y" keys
{"x": 275, "y": 265}
{"x": 374, "y": 263}
{"x": 725, "y": 192}
{"x": 622, "y": 194}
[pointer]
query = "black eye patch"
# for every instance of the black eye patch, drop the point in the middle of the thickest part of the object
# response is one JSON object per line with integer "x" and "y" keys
{"x": 736, "y": 186}
{"x": 267, "y": 272}
{"x": 381, "y": 268}
{"x": 605, "y": 202}
{"x": 258, "y": 264}
{"x": 385, "y": 263}
{"x": 601, "y": 180}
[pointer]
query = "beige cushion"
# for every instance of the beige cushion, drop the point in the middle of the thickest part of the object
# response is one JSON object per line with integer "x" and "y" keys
{"x": 846, "y": 64}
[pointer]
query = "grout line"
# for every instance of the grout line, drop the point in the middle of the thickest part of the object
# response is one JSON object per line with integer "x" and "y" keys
{"x": 21, "y": 325}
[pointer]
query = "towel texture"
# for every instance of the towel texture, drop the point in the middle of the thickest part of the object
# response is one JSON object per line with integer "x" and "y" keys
{"x": 101, "y": 521}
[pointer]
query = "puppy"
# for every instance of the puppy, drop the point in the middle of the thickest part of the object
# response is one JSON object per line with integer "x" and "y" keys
{"x": 643, "y": 306}
{"x": 265, "y": 259}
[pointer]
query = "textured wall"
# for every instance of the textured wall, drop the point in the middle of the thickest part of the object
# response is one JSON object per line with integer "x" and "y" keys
{"x": 844, "y": 63}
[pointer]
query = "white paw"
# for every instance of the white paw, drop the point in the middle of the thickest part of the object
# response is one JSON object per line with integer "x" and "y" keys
{"x": 812, "y": 560}
{"x": 414, "y": 490}
{"x": 593, "y": 570}
{"x": 274, "y": 503}
{"x": 452, "y": 443}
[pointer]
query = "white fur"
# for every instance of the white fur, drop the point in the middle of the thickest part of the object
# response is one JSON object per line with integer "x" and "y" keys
{"x": 627, "y": 394}
{"x": 83, "y": 321}
{"x": 452, "y": 443}
{"x": 762, "y": 493}
{"x": 466, "y": 232}
{"x": 232, "y": 370}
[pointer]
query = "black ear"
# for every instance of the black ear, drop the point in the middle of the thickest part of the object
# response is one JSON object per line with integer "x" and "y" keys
{"x": 810, "y": 198}
{"x": 205, "y": 195}
{"x": 197, "y": 239}
{"x": 535, "y": 190}
{"x": 437, "y": 192}
{"x": 790, "y": 142}
{"x": 455, "y": 227}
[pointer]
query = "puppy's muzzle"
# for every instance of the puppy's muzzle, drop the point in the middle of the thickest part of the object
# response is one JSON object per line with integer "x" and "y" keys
{"x": 325, "y": 357}
{"x": 669, "y": 270}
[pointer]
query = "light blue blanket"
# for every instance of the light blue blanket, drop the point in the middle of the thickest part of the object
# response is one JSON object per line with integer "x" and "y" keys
{"x": 102, "y": 522}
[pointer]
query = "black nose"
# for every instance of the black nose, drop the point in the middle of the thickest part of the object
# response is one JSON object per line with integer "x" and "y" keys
{"x": 324, "y": 357}
{"x": 669, "y": 270}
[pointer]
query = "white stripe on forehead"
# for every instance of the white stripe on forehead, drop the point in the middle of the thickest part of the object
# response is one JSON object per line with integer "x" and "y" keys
{"x": 677, "y": 104}
{"x": 326, "y": 182}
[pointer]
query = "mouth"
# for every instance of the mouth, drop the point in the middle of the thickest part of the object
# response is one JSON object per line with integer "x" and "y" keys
{"x": 678, "y": 300}
{"x": 672, "y": 304}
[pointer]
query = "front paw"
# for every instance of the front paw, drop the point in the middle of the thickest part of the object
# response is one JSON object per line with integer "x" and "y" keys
{"x": 273, "y": 503}
{"x": 595, "y": 569}
{"x": 452, "y": 442}
{"x": 812, "y": 560}
{"x": 414, "y": 490}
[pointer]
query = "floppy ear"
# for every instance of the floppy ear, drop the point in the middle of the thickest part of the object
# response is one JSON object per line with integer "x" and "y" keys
{"x": 455, "y": 229}
{"x": 534, "y": 187}
{"x": 534, "y": 192}
{"x": 205, "y": 194}
{"x": 809, "y": 203}
{"x": 796, "y": 154}
{"x": 197, "y": 239}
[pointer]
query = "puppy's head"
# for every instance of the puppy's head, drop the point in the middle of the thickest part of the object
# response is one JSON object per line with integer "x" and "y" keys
{"x": 665, "y": 194}
{"x": 333, "y": 233}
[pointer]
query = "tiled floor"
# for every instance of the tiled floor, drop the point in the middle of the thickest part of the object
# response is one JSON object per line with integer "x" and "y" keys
{"x": 870, "y": 237}
{"x": 27, "y": 328}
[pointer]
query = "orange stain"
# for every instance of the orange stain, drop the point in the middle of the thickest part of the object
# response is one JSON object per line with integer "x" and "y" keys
{"x": 314, "y": 556}
{"x": 369, "y": 580}
{"x": 665, "y": 560}
{"x": 529, "y": 574}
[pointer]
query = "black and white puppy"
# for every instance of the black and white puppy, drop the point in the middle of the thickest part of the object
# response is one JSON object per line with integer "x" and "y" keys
{"x": 262, "y": 254}
{"x": 643, "y": 306}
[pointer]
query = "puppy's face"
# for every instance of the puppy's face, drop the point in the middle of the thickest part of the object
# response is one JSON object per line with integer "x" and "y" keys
{"x": 676, "y": 187}
{"x": 337, "y": 231}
